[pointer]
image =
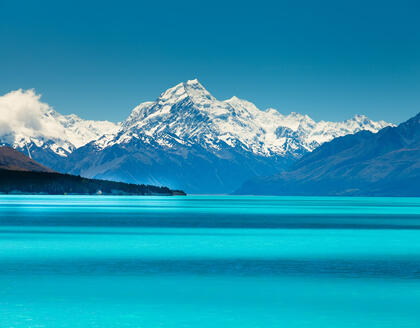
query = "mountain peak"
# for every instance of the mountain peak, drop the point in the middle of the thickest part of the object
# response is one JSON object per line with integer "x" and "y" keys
{"x": 192, "y": 89}
{"x": 239, "y": 101}
{"x": 194, "y": 82}
{"x": 360, "y": 118}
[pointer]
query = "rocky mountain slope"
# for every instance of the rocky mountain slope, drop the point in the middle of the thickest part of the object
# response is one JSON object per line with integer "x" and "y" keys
{"x": 363, "y": 164}
{"x": 11, "y": 159}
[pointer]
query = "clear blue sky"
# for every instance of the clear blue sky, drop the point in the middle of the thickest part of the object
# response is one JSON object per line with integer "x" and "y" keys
{"x": 328, "y": 59}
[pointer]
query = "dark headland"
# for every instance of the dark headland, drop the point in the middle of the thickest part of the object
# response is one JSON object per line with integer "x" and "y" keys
{"x": 20, "y": 174}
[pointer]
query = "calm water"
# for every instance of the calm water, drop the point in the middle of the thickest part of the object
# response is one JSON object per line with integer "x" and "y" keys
{"x": 71, "y": 261}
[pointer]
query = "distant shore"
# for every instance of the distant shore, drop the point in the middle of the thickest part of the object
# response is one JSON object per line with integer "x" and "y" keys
{"x": 52, "y": 183}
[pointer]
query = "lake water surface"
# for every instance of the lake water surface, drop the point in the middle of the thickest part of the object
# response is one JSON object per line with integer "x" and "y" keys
{"x": 209, "y": 261}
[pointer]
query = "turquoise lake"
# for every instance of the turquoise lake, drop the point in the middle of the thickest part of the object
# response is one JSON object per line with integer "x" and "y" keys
{"x": 209, "y": 261}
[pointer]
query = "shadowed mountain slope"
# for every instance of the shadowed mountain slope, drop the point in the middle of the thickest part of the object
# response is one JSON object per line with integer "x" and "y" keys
{"x": 364, "y": 164}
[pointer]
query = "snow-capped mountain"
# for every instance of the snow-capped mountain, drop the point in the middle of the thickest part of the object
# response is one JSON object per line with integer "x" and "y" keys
{"x": 189, "y": 114}
{"x": 185, "y": 139}
{"x": 386, "y": 163}
{"x": 190, "y": 140}
{"x": 32, "y": 126}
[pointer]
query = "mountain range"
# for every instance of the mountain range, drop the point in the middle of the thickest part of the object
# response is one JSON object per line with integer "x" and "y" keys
{"x": 364, "y": 164}
{"x": 185, "y": 139}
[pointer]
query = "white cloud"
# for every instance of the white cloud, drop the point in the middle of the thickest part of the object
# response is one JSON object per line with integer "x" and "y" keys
{"x": 20, "y": 112}
{"x": 4, "y": 127}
